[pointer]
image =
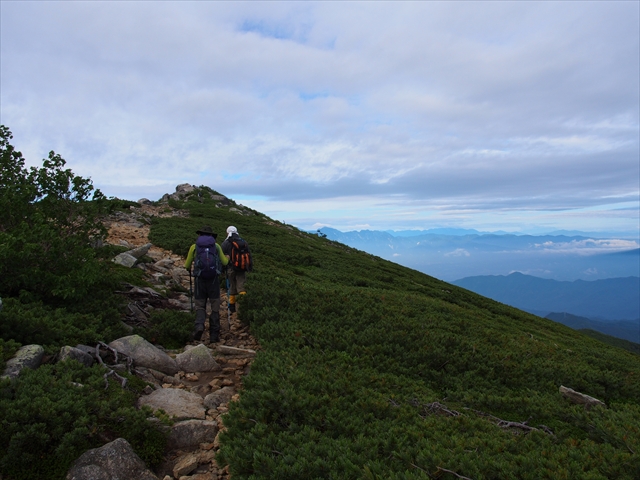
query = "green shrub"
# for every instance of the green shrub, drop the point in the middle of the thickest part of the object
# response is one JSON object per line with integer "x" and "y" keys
{"x": 169, "y": 328}
{"x": 8, "y": 348}
{"x": 31, "y": 322}
{"x": 50, "y": 416}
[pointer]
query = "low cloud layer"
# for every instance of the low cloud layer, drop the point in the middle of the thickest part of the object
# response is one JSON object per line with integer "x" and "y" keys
{"x": 395, "y": 115}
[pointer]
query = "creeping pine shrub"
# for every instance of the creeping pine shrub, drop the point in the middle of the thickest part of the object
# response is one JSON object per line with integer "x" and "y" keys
{"x": 7, "y": 349}
{"x": 168, "y": 328}
{"x": 50, "y": 416}
{"x": 29, "y": 322}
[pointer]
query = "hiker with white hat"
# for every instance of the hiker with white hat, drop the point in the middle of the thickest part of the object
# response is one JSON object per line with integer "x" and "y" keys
{"x": 240, "y": 262}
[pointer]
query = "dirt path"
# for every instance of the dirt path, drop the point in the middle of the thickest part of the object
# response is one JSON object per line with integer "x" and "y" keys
{"x": 131, "y": 229}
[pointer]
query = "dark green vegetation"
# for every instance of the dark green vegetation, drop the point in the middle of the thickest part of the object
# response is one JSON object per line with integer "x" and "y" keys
{"x": 53, "y": 414}
{"x": 58, "y": 289}
{"x": 372, "y": 370}
{"x": 616, "y": 342}
{"x": 168, "y": 328}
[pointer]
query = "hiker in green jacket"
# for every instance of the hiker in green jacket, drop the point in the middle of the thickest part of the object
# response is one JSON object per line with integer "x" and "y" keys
{"x": 208, "y": 259}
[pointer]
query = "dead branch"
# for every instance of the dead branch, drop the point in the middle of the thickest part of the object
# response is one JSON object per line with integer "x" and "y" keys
{"x": 440, "y": 469}
{"x": 112, "y": 350}
{"x": 123, "y": 381}
{"x": 436, "y": 407}
{"x": 421, "y": 469}
{"x": 508, "y": 424}
{"x": 520, "y": 425}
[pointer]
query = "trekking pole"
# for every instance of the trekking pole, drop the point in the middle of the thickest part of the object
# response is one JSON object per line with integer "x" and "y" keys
{"x": 191, "y": 290}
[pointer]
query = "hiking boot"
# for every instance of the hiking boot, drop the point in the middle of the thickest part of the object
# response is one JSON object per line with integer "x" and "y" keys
{"x": 232, "y": 307}
{"x": 197, "y": 333}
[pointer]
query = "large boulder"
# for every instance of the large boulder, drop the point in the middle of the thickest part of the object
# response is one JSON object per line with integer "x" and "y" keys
{"x": 113, "y": 461}
{"x": 73, "y": 353}
{"x": 140, "y": 251}
{"x": 197, "y": 359}
{"x": 144, "y": 354}
{"x": 217, "y": 398}
{"x": 176, "y": 403}
{"x": 191, "y": 433}
{"x": 29, "y": 356}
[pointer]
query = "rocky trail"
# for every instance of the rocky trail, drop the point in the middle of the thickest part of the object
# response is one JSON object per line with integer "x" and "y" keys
{"x": 194, "y": 439}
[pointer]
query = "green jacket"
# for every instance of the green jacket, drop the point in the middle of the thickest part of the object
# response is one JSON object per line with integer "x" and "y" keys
{"x": 192, "y": 252}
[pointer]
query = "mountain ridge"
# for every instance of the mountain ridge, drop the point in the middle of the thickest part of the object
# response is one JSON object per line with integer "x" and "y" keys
{"x": 368, "y": 369}
{"x": 612, "y": 299}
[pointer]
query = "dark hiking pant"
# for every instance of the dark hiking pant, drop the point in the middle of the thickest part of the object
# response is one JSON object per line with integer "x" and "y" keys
{"x": 208, "y": 290}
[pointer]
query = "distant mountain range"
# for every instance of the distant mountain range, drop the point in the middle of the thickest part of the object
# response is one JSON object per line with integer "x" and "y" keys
{"x": 472, "y": 231}
{"x": 610, "y": 299}
{"x": 627, "y": 330}
{"x": 450, "y": 254}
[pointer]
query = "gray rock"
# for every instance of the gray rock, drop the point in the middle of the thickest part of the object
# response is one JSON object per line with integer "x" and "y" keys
{"x": 197, "y": 359}
{"x": 87, "y": 349}
{"x": 146, "y": 375}
{"x": 217, "y": 398}
{"x": 158, "y": 375}
{"x": 144, "y": 354}
{"x": 140, "y": 251}
{"x": 113, "y": 461}
{"x": 0, "y": 304}
{"x": 125, "y": 260}
{"x": 580, "y": 398}
{"x": 185, "y": 188}
{"x": 127, "y": 327}
{"x": 164, "y": 263}
{"x": 176, "y": 403}
{"x": 171, "y": 380}
{"x": 67, "y": 353}
{"x": 29, "y": 356}
{"x": 191, "y": 433}
{"x": 185, "y": 465}
{"x": 145, "y": 201}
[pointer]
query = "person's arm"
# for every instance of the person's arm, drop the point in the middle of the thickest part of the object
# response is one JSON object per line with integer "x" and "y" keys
{"x": 187, "y": 263}
{"x": 226, "y": 247}
{"x": 224, "y": 259}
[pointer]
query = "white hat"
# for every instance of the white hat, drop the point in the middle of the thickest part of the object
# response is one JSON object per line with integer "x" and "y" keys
{"x": 231, "y": 230}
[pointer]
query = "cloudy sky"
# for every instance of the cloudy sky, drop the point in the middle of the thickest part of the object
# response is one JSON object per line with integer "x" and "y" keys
{"x": 522, "y": 116}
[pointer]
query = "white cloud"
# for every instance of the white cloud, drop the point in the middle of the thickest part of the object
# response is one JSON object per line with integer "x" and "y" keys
{"x": 458, "y": 252}
{"x": 588, "y": 246}
{"x": 457, "y": 108}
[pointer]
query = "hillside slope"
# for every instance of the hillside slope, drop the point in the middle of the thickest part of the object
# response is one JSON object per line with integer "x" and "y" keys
{"x": 372, "y": 370}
